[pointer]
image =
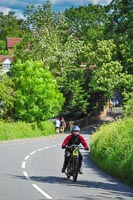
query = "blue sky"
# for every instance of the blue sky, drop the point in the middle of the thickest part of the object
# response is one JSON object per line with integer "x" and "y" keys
{"x": 18, "y": 6}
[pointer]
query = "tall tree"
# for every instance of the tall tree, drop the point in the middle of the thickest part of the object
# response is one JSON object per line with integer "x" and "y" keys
{"x": 49, "y": 42}
{"x": 6, "y": 95}
{"x": 45, "y": 33}
{"x": 86, "y": 22}
{"x": 37, "y": 97}
{"x": 10, "y": 26}
{"x": 104, "y": 74}
{"x": 119, "y": 27}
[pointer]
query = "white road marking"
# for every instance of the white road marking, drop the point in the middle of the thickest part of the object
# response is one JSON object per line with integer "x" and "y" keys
{"x": 46, "y": 147}
{"x": 33, "y": 152}
{"x": 39, "y": 149}
{"x": 42, "y": 192}
{"x": 26, "y": 175}
{"x": 53, "y": 146}
{"x": 26, "y": 158}
{"x": 23, "y": 164}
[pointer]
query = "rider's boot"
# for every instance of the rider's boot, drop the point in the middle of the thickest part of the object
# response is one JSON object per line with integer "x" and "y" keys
{"x": 80, "y": 171}
{"x": 63, "y": 169}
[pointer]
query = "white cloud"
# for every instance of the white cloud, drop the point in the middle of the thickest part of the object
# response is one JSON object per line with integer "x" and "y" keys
{"x": 18, "y": 13}
{"x": 5, "y": 10}
{"x": 80, "y": 2}
{"x": 19, "y": 6}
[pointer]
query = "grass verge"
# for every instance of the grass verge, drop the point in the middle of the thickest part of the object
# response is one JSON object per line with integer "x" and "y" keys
{"x": 112, "y": 149}
{"x": 19, "y": 130}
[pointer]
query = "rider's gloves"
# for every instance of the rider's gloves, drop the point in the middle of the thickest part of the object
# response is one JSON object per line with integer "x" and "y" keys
{"x": 63, "y": 147}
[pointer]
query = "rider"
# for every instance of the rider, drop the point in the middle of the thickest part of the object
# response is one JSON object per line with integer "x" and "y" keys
{"x": 74, "y": 138}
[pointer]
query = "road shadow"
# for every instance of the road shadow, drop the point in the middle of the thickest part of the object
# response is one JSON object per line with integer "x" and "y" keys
{"x": 113, "y": 187}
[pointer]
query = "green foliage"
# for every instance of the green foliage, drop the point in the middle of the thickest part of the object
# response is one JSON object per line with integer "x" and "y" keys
{"x": 37, "y": 96}
{"x": 119, "y": 27}
{"x": 23, "y": 48}
{"x": 108, "y": 75}
{"x": 128, "y": 105}
{"x": 45, "y": 33}
{"x": 86, "y": 23}
{"x": 77, "y": 96}
{"x": 112, "y": 149}
{"x": 3, "y": 50}
{"x": 6, "y": 95}
{"x": 2, "y": 45}
{"x": 19, "y": 130}
{"x": 101, "y": 52}
{"x": 10, "y": 26}
{"x": 97, "y": 35}
{"x": 106, "y": 78}
{"x": 61, "y": 55}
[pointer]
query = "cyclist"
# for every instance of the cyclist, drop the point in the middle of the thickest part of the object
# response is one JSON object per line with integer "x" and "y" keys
{"x": 74, "y": 138}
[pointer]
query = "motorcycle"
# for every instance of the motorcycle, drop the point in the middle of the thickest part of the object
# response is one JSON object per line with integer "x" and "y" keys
{"x": 72, "y": 168}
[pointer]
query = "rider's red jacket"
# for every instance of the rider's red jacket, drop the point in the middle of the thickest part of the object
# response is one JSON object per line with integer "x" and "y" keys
{"x": 70, "y": 139}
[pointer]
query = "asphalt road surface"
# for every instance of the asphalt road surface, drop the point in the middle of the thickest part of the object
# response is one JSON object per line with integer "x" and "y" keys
{"x": 31, "y": 170}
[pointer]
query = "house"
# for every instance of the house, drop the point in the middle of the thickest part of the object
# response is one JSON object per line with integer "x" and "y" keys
{"x": 11, "y": 42}
{"x": 6, "y": 60}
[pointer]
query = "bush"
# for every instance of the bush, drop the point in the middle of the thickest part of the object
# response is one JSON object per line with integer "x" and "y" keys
{"x": 112, "y": 149}
{"x": 128, "y": 106}
{"x": 10, "y": 131}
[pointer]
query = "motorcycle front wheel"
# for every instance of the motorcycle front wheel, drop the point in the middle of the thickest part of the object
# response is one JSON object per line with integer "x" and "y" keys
{"x": 75, "y": 169}
{"x": 68, "y": 170}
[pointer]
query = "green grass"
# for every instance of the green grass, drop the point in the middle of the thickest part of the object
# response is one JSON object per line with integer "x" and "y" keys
{"x": 18, "y": 130}
{"x": 112, "y": 149}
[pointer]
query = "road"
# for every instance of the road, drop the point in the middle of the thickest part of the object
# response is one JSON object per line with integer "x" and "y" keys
{"x": 31, "y": 170}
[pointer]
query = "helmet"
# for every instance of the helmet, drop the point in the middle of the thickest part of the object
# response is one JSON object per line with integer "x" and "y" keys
{"x": 75, "y": 128}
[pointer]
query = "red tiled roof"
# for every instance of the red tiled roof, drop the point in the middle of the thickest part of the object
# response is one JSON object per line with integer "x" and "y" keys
{"x": 4, "y": 57}
{"x": 11, "y": 42}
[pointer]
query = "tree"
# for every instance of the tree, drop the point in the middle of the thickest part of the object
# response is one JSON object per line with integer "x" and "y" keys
{"x": 47, "y": 43}
{"x": 3, "y": 50}
{"x": 10, "y": 26}
{"x": 107, "y": 75}
{"x": 63, "y": 43}
{"x": 76, "y": 103}
{"x": 86, "y": 22}
{"x": 119, "y": 27}
{"x": 44, "y": 26}
{"x": 128, "y": 104}
{"x": 106, "y": 79}
{"x": 37, "y": 96}
{"x": 6, "y": 96}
